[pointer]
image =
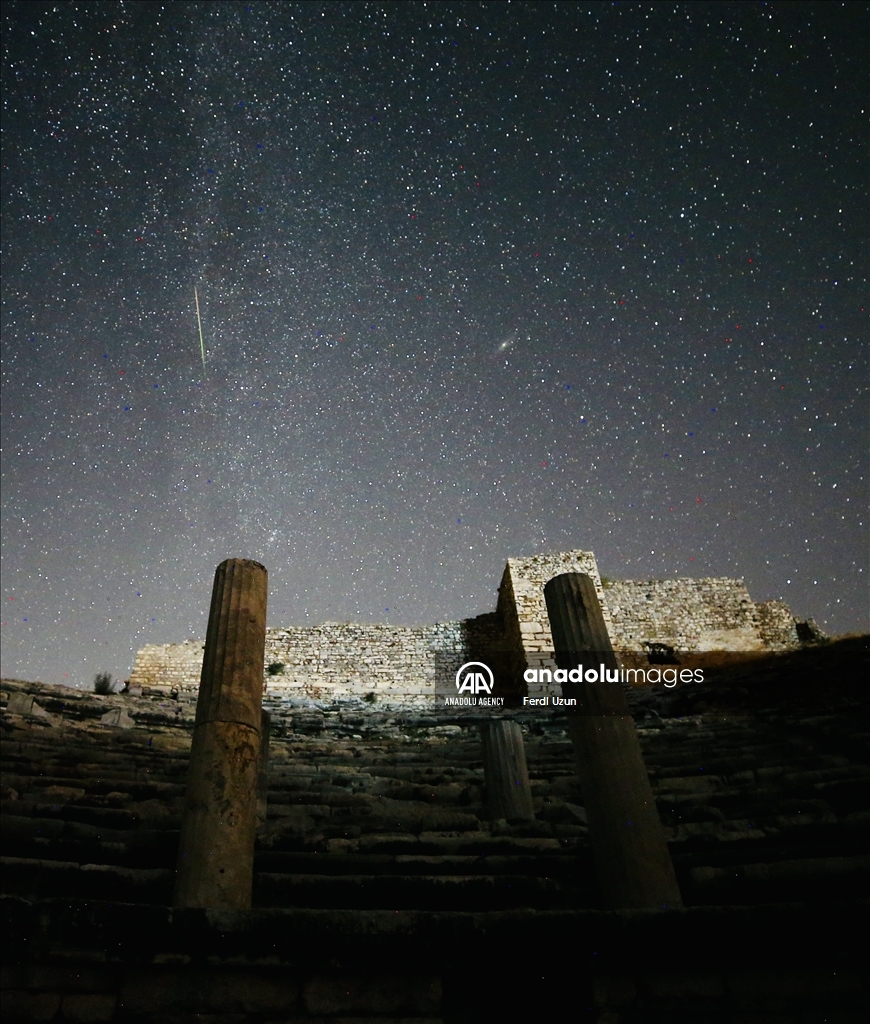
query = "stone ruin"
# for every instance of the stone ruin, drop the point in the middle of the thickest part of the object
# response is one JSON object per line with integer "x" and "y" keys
{"x": 407, "y": 665}
{"x": 244, "y": 857}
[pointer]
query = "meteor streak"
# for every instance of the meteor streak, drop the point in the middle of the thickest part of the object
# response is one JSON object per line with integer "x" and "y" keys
{"x": 199, "y": 324}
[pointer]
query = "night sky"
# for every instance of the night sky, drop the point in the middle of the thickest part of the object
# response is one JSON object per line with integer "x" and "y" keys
{"x": 477, "y": 280}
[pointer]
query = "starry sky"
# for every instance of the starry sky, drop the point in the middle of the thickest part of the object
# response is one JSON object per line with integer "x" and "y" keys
{"x": 476, "y": 280}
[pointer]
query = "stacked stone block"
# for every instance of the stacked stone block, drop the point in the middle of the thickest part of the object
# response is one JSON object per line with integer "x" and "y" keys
{"x": 776, "y": 626}
{"x": 167, "y": 667}
{"x": 385, "y": 664}
{"x": 686, "y": 614}
{"x": 378, "y": 662}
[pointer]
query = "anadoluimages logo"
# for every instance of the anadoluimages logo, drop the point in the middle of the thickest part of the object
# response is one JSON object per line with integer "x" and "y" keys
{"x": 474, "y": 677}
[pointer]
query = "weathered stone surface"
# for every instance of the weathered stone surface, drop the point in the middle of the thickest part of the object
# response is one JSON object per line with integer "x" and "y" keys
{"x": 346, "y": 992}
{"x": 508, "y": 794}
{"x": 118, "y": 718}
{"x": 20, "y": 704}
{"x": 216, "y": 849}
{"x": 24, "y": 704}
{"x": 62, "y": 793}
{"x": 631, "y": 855}
{"x": 405, "y": 665}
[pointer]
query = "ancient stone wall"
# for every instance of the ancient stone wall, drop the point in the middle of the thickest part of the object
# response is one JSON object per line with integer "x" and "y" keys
{"x": 380, "y": 662}
{"x": 523, "y": 611}
{"x": 777, "y": 626}
{"x": 384, "y": 663}
{"x": 403, "y": 664}
{"x": 686, "y": 614}
{"x": 712, "y": 614}
{"x": 169, "y": 666}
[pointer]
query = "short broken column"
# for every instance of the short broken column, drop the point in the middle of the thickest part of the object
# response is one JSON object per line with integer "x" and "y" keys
{"x": 216, "y": 851}
{"x": 508, "y": 794}
{"x": 631, "y": 855}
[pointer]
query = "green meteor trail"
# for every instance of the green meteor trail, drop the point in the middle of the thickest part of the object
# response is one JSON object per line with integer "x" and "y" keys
{"x": 199, "y": 324}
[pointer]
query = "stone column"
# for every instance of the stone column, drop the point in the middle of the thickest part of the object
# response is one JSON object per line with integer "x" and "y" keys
{"x": 216, "y": 850}
{"x": 631, "y": 855}
{"x": 508, "y": 794}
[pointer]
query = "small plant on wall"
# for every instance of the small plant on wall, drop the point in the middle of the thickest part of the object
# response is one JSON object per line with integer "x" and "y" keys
{"x": 276, "y": 668}
{"x": 103, "y": 683}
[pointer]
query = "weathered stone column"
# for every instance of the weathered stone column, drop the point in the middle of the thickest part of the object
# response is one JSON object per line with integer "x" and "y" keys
{"x": 216, "y": 851}
{"x": 631, "y": 855}
{"x": 508, "y": 794}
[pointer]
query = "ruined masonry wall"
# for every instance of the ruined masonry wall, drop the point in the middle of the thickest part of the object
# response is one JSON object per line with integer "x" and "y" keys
{"x": 523, "y": 584}
{"x": 523, "y": 610}
{"x": 387, "y": 661}
{"x": 333, "y": 659}
{"x": 169, "y": 666}
{"x": 777, "y": 625}
{"x": 687, "y": 614}
{"x": 409, "y": 664}
{"x": 710, "y": 614}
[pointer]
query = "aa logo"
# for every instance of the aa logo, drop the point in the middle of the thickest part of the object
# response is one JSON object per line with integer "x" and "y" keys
{"x": 474, "y": 677}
